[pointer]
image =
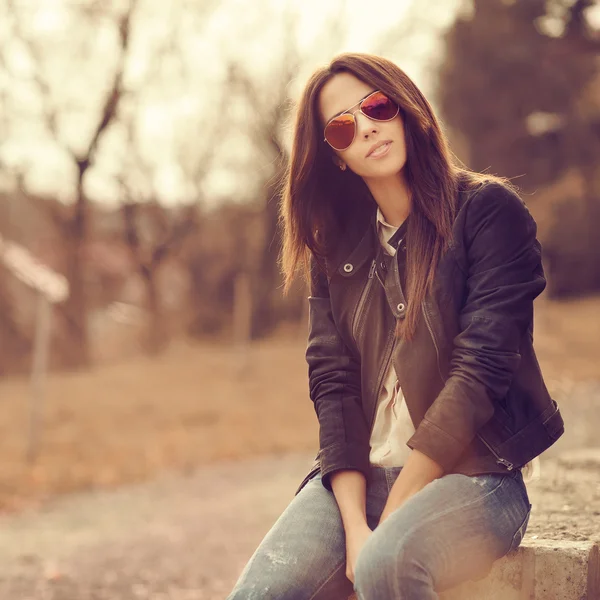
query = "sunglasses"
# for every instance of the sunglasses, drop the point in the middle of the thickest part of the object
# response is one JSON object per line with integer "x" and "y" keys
{"x": 341, "y": 130}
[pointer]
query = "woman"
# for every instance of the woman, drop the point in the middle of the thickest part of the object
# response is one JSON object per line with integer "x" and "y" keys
{"x": 422, "y": 371}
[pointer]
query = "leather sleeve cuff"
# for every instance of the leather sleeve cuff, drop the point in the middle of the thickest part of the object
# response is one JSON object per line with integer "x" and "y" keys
{"x": 437, "y": 444}
{"x": 343, "y": 456}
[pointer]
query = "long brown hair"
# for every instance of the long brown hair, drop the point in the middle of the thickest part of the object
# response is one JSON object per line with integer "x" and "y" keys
{"x": 319, "y": 201}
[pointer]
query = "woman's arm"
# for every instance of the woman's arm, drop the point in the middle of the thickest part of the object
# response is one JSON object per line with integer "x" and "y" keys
{"x": 502, "y": 262}
{"x": 350, "y": 491}
{"x": 335, "y": 388}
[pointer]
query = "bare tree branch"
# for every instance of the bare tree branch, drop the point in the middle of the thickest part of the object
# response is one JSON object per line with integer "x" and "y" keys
{"x": 117, "y": 91}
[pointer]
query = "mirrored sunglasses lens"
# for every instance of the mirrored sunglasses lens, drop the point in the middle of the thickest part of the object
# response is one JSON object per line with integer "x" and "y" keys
{"x": 379, "y": 107}
{"x": 340, "y": 132}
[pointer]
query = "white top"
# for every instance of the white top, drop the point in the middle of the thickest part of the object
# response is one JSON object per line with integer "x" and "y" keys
{"x": 392, "y": 426}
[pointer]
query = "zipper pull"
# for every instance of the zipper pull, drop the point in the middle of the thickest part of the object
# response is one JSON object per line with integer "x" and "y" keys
{"x": 372, "y": 269}
{"x": 509, "y": 466}
{"x": 499, "y": 460}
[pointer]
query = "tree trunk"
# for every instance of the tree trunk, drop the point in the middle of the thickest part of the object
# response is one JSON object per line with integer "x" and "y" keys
{"x": 156, "y": 331}
{"x": 78, "y": 350}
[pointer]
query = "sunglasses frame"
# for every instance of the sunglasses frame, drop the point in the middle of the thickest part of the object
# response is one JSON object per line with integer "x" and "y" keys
{"x": 359, "y": 104}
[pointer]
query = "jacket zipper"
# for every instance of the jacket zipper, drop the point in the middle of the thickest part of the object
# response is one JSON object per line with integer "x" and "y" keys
{"x": 380, "y": 378}
{"x": 362, "y": 299}
{"x": 437, "y": 349}
{"x": 389, "y": 356}
{"x": 501, "y": 461}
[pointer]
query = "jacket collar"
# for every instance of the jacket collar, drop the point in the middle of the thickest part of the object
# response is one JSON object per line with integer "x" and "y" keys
{"x": 368, "y": 244}
{"x": 395, "y": 238}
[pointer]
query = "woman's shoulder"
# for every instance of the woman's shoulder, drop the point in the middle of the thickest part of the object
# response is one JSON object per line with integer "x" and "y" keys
{"x": 488, "y": 195}
{"x": 491, "y": 216}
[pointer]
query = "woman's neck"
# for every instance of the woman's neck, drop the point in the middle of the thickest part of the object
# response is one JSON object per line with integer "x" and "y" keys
{"x": 392, "y": 196}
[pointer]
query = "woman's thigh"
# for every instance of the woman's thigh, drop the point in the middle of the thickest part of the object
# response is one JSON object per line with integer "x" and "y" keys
{"x": 303, "y": 556}
{"x": 451, "y": 531}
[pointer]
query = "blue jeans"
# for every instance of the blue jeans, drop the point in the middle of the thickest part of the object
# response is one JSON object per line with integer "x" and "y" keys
{"x": 451, "y": 531}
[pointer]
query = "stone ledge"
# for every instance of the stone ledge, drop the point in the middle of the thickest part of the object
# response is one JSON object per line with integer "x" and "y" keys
{"x": 539, "y": 570}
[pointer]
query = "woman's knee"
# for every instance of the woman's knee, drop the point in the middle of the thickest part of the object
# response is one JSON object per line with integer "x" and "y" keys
{"x": 300, "y": 553}
{"x": 293, "y": 584}
{"x": 393, "y": 566}
{"x": 267, "y": 588}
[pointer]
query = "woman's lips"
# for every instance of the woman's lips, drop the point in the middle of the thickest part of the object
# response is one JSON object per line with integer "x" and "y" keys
{"x": 381, "y": 151}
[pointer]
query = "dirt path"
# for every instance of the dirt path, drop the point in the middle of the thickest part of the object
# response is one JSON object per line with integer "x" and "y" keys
{"x": 176, "y": 538}
{"x": 180, "y": 538}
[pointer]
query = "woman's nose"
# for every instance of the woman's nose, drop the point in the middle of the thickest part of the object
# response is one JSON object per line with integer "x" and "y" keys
{"x": 364, "y": 125}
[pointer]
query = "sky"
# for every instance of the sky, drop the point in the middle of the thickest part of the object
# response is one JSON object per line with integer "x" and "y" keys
{"x": 174, "y": 111}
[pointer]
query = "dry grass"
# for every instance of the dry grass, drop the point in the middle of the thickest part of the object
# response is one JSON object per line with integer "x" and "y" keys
{"x": 129, "y": 421}
{"x": 126, "y": 422}
{"x": 567, "y": 338}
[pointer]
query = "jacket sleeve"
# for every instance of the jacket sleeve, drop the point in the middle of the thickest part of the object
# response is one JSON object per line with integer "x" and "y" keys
{"x": 335, "y": 388}
{"x": 504, "y": 274}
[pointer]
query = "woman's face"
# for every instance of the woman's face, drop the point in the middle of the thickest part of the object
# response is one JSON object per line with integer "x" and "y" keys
{"x": 342, "y": 92}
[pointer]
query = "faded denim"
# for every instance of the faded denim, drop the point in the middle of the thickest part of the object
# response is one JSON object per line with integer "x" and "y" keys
{"x": 451, "y": 531}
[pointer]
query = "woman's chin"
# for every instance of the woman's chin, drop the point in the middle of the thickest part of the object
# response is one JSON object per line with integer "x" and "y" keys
{"x": 387, "y": 166}
{"x": 383, "y": 172}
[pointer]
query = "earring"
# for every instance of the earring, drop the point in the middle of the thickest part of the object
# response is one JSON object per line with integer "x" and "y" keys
{"x": 342, "y": 167}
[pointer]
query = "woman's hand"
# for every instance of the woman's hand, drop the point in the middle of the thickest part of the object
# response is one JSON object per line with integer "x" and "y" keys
{"x": 418, "y": 471}
{"x": 355, "y": 540}
{"x": 350, "y": 490}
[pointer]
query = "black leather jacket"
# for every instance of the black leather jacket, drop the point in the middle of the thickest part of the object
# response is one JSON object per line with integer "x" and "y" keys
{"x": 470, "y": 377}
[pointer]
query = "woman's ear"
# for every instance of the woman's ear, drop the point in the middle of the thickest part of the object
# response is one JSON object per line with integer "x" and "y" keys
{"x": 338, "y": 162}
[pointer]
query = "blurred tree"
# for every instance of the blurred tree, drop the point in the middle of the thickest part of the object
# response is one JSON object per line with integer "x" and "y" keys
{"x": 150, "y": 246}
{"x": 227, "y": 240}
{"x": 152, "y": 232}
{"x": 139, "y": 46}
{"x": 519, "y": 92}
{"x": 269, "y": 109}
{"x": 75, "y": 225}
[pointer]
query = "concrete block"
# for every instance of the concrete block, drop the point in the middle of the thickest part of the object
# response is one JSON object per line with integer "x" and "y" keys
{"x": 539, "y": 570}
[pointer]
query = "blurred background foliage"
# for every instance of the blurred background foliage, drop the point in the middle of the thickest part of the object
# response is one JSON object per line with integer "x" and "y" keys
{"x": 520, "y": 85}
{"x": 142, "y": 146}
